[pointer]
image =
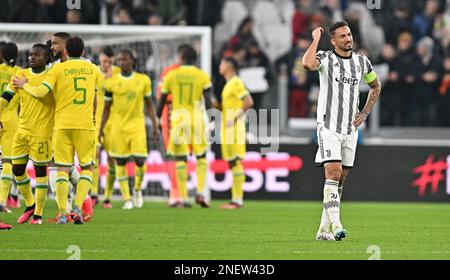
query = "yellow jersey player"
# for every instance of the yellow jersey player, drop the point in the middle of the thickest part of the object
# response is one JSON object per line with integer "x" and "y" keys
{"x": 8, "y": 121}
{"x": 73, "y": 84}
{"x": 235, "y": 101}
{"x": 107, "y": 69}
{"x": 125, "y": 95}
{"x": 33, "y": 137}
{"x": 187, "y": 84}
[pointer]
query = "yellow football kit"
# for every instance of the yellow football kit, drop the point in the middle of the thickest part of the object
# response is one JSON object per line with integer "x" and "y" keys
{"x": 73, "y": 84}
{"x": 101, "y": 106}
{"x": 35, "y": 124}
{"x": 10, "y": 114}
{"x": 186, "y": 84}
{"x": 127, "y": 135}
{"x": 233, "y": 138}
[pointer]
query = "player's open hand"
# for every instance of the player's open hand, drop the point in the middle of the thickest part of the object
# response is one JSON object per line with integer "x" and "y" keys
{"x": 18, "y": 82}
{"x": 317, "y": 33}
{"x": 359, "y": 119}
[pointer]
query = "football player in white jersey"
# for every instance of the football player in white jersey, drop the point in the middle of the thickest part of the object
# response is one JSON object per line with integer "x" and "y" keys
{"x": 341, "y": 71}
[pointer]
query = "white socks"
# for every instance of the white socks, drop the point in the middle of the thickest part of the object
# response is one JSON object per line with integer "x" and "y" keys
{"x": 331, "y": 202}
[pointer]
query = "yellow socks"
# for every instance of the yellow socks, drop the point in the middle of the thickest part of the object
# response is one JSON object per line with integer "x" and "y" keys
{"x": 181, "y": 174}
{"x": 139, "y": 177}
{"x": 237, "y": 192}
{"x": 40, "y": 193}
{"x": 110, "y": 179}
{"x": 202, "y": 173}
{"x": 24, "y": 186}
{"x": 62, "y": 191}
{"x": 5, "y": 182}
{"x": 122, "y": 177}
{"x": 95, "y": 180}
{"x": 83, "y": 187}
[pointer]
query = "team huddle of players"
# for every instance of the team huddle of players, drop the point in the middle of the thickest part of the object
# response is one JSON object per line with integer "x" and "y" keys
{"x": 64, "y": 105}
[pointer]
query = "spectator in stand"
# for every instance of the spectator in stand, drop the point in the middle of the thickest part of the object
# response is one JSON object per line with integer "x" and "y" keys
{"x": 122, "y": 16}
{"x": 392, "y": 105}
{"x": 145, "y": 9}
{"x": 73, "y": 17}
{"x": 299, "y": 80}
{"x": 244, "y": 35}
{"x": 257, "y": 58}
{"x": 423, "y": 23}
{"x": 427, "y": 71}
{"x": 396, "y": 22}
{"x": 443, "y": 107}
{"x": 154, "y": 20}
{"x": 300, "y": 19}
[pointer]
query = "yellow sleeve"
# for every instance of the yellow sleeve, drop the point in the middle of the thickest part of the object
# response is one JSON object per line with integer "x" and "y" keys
{"x": 50, "y": 78}
{"x": 166, "y": 84}
{"x": 37, "y": 91}
{"x": 241, "y": 91}
{"x": 10, "y": 87}
{"x": 148, "y": 86}
{"x": 100, "y": 79}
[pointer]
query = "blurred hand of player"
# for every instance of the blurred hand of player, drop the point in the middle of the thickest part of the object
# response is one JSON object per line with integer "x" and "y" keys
{"x": 155, "y": 130}
{"x": 18, "y": 82}
{"x": 359, "y": 119}
{"x": 101, "y": 136}
{"x": 317, "y": 33}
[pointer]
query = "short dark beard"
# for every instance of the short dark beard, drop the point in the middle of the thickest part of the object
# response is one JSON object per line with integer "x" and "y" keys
{"x": 58, "y": 55}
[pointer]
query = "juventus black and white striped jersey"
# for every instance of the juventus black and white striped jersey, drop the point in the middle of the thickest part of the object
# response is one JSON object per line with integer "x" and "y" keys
{"x": 340, "y": 78}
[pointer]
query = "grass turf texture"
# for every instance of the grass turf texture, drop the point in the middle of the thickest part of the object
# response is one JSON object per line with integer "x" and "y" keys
{"x": 260, "y": 230}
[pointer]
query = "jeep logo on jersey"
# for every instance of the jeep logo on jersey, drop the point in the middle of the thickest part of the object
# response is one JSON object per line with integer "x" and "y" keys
{"x": 345, "y": 80}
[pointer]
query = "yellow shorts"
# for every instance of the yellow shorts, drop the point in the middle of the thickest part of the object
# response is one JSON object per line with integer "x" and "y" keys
{"x": 67, "y": 142}
{"x": 186, "y": 139}
{"x": 6, "y": 142}
{"x": 127, "y": 144}
{"x": 36, "y": 148}
{"x": 233, "y": 142}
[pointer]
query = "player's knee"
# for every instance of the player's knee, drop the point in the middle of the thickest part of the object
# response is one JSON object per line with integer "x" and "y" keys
{"x": 41, "y": 170}
{"x": 19, "y": 169}
{"x": 121, "y": 161}
{"x": 333, "y": 172}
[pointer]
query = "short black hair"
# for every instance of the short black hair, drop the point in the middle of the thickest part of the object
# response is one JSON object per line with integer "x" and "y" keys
{"x": 234, "y": 63}
{"x": 10, "y": 53}
{"x": 108, "y": 51}
{"x": 337, "y": 25}
{"x": 62, "y": 35}
{"x": 45, "y": 48}
{"x": 130, "y": 54}
{"x": 74, "y": 46}
{"x": 188, "y": 53}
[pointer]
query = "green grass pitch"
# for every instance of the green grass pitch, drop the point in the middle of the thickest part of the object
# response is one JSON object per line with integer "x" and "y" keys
{"x": 262, "y": 230}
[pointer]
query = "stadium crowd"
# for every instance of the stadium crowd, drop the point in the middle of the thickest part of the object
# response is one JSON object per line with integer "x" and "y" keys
{"x": 407, "y": 40}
